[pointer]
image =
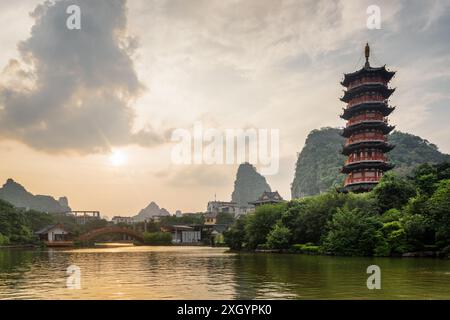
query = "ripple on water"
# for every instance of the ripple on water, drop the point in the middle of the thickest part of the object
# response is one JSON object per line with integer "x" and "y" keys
{"x": 213, "y": 273}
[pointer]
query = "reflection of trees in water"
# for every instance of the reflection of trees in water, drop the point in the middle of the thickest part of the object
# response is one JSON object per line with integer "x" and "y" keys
{"x": 209, "y": 273}
{"x": 14, "y": 264}
{"x": 295, "y": 276}
{"x": 13, "y": 260}
{"x": 19, "y": 264}
{"x": 264, "y": 276}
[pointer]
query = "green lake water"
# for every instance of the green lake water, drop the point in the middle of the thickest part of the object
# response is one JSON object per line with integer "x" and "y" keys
{"x": 213, "y": 273}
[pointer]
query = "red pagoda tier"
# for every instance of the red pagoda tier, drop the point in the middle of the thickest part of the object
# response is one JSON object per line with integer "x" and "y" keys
{"x": 367, "y": 126}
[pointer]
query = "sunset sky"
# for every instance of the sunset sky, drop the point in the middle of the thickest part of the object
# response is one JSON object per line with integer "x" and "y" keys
{"x": 88, "y": 113}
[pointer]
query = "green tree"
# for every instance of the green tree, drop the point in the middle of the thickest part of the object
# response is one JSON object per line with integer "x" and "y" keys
{"x": 425, "y": 178}
{"x": 391, "y": 215}
{"x": 393, "y": 192}
{"x": 14, "y": 224}
{"x": 279, "y": 237}
{"x": 439, "y": 208}
{"x": 393, "y": 239}
{"x": 185, "y": 219}
{"x": 261, "y": 222}
{"x": 418, "y": 230}
{"x": 235, "y": 236}
{"x": 157, "y": 238}
{"x": 225, "y": 218}
{"x": 307, "y": 218}
{"x": 352, "y": 232}
{"x": 4, "y": 240}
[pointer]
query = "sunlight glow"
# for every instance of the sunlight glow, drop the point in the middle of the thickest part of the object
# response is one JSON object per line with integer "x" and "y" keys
{"x": 118, "y": 158}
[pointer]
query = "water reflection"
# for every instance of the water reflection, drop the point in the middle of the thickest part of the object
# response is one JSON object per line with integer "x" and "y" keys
{"x": 212, "y": 273}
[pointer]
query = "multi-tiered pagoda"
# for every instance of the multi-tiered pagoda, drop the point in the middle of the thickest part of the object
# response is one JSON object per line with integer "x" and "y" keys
{"x": 366, "y": 113}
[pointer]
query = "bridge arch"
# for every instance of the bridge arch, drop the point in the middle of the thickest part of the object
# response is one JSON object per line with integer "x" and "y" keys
{"x": 91, "y": 235}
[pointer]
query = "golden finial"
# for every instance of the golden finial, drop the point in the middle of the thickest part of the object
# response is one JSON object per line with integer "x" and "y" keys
{"x": 367, "y": 54}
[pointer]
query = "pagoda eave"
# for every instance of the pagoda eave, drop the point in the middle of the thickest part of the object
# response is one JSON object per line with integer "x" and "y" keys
{"x": 349, "y": 77}
{"x": 360, "y": 187}
{"x": 383, "y": 90}
{"x": 368, "y": 164}
{"x": 374, "y": 144}
{"x": 379, "y": 125}
{"x": 375, "y": 106}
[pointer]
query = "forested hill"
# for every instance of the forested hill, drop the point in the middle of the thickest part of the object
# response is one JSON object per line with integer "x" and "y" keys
{"x": 318, "y": 164}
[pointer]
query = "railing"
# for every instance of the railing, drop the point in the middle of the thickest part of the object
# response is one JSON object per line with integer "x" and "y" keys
{"x": 367, "y": 80}
{"x": 362, "y": 118}
{"x": 352, "y": 159}
{"x": 374, "y": 98}
{"x": 365, "y": 137}
{"x": 360, "y": 180}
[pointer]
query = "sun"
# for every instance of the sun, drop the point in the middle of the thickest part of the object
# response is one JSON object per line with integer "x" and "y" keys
{"x": 118, "y": 158}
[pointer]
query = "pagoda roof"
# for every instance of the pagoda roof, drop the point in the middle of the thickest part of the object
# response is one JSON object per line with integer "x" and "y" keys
{"x": 368, "y": 124}
{"x": 371, "y": 164}
{"x": 358, "y": 187}
{"x": 385, "y": 91}
{"x": 383, "y": 146}
{"x": 367, "y": 70}
{"x": 268, "y": 197}
{"x": 376, "y": 106}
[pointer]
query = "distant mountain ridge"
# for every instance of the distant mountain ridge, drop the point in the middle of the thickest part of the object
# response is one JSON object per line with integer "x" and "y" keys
{"x": 319, "y": 163}
{"x": 18, "y": 196}
{"x": 249, "y": 185}
{"x": 150, "y": 211}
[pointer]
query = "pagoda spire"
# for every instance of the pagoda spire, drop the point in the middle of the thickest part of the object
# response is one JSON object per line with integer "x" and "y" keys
{"x": 367, "y": 54}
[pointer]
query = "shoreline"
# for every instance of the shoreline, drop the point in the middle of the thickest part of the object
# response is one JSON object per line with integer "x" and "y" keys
{"x": 418, "y": 254}
{"x": 407, "y": 255}
{"x": 19, "y": 246}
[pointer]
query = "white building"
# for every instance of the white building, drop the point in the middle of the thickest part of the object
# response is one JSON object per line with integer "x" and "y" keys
{"x": 53, "y": 233}
{"x": 125, "y": 220}
{"x": 232, "y": 208}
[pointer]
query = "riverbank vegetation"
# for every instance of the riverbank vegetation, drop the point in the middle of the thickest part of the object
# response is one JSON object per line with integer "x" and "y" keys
{"x": 400, "y": 215}
{"x": 157, "y": 238}
{"x": 17, "y": 226}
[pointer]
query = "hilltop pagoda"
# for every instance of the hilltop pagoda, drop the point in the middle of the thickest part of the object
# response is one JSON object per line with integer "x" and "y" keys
{"x": 367, "y": 93}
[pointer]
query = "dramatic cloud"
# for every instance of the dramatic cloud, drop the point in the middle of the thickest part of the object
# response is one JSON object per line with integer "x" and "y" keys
{"x": 74, "y": 89}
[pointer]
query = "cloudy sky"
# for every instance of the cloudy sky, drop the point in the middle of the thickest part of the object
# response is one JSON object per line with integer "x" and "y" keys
{"x": 88, "y": 113}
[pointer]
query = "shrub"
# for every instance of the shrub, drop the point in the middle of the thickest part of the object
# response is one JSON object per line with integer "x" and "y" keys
{"x": 4, "y": 240}
{"x": 307, "y": 218}
{"x": 393, "y": 192}
{"x": 352, "y": 232}
{"x": 234, "y": 237}
{"x": 260, "y": 223}
{"x": 393, "y": 239}
{"x": 279, "y": 237}
{"x": 157, "y": 238}
{"x": 307, "y": 248}
{"x": 439, "y": 209}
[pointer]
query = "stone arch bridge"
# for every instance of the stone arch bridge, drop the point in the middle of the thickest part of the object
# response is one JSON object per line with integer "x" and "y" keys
{"x": 91, "y": 235}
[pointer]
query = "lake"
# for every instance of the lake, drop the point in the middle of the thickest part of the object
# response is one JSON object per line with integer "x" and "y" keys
{"x": 143, "y": 272}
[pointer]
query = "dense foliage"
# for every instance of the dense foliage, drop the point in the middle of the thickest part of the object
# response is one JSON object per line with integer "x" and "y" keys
{"x": 400, "y": 215}
{"x": 157, "y": 238}
{"x": 18, "y": 226}
{"x": 185, "y": 219}
{"x": 318, "y": 164}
